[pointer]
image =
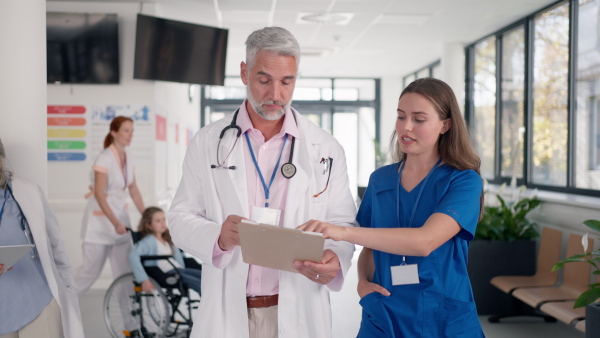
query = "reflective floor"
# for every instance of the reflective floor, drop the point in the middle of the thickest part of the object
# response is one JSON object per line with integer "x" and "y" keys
{"x": 346, "y": 317}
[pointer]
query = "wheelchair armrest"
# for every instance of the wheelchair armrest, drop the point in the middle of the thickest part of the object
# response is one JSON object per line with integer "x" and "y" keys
{"x": 151, "y": 258}
{"x": 192, "y": 263}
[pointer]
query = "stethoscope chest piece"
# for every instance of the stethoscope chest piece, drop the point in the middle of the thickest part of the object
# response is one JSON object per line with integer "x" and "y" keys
{"x": 288, "y": 170}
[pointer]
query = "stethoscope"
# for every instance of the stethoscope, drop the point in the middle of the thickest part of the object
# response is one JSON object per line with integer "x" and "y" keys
{"x": 24, "y": 224}
{"x": 288, "y": 169}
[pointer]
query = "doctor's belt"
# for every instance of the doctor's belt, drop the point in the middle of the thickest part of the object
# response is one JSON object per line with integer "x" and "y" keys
{"x": 262, "y": 301}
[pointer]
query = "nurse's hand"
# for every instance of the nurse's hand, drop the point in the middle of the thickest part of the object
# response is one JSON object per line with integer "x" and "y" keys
{"x": 329, "y": 231}
{"x": 230, "y": 237}
{"x": 322, "y": 273}
{"x": 120, "y": 229}
{"x": 365, "y": 287}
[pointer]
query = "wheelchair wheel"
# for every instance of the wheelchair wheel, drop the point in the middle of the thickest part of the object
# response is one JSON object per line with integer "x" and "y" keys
{"x": 127, "y": 309}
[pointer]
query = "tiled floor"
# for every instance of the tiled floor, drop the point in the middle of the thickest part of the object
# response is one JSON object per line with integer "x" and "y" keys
{"x": 346, "y": 317}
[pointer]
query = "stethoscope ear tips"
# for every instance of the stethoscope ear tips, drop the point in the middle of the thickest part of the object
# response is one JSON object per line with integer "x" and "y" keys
{"x": 213, "y": 166}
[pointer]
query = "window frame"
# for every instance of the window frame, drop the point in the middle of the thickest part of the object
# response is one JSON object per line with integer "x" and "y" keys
{"x": 528, "y": 25}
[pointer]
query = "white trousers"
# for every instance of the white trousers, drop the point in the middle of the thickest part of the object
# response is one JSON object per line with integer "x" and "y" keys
{"x": 47, "y": 324}
{"x": 94, "y": 257}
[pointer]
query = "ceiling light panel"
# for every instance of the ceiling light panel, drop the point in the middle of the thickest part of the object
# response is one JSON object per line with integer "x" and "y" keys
{"x": 331, "y": 18}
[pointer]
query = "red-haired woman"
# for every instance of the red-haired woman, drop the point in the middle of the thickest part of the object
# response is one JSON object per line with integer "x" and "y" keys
{"x": 106, "y": 218}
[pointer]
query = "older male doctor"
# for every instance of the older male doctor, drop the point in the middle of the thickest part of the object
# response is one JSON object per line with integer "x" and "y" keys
{"x": 266, "y": 159}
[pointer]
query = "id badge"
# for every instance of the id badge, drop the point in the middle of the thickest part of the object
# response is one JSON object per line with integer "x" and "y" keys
{"x": 405, "y": 274}
{"x": 266, "y": 215}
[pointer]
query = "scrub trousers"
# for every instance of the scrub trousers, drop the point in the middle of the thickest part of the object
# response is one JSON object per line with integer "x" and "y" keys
{"x": 94, "y": 257}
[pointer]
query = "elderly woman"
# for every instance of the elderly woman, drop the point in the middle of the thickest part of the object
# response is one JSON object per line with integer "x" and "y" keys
{"x": 37, "y": 295}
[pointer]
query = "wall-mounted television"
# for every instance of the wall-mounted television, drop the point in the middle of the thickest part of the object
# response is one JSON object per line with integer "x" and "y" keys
{"x": 82, "y": 48}
{"x": 168, "y": 50}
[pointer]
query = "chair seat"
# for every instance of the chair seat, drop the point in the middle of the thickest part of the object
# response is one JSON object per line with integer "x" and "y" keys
{"x": 536, "y": 296}
{"x": 580, "y": 326}
{"x": 509, "y": 283}
{"x": 563, "y": 311}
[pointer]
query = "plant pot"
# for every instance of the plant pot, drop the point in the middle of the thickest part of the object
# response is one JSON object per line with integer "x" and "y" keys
{"x": 488, "y": 259}
{"x": 592, "y": 320}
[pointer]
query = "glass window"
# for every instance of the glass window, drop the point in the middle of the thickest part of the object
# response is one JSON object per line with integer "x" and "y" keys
{"x": 587, "y": 115}
{"x": 484, "y": 100}
{"x": 408, "y": 79}
{"x": 513, "y": 103}
{"x": 345, "y": 130}
{"x": 354, "y": 89}
{"x": 312, "y": 89}
{"x": 436, "y": 71}
{"x": 550, "y": 96}
{"x": 233, "y": 88}
{"x": 423, "y": 73}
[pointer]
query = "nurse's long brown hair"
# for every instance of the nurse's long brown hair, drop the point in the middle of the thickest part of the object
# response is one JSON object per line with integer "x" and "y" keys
{"x": 454, "y": 146}
{"x": 115, "y": 125}
{"x": 144, "y": 225}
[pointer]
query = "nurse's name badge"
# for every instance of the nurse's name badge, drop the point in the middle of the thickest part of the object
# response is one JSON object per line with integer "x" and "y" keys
{"x": 288, "y": 170}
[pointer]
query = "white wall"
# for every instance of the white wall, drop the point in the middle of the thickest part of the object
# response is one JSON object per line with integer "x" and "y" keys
{"x": 157, "y": 172}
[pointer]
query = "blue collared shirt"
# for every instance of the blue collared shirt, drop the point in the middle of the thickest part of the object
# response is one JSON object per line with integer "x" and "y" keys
{"x": 24, "y": 290}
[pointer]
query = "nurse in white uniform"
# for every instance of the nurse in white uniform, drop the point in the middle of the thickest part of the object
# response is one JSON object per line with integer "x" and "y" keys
{"x": 106, "y": 218}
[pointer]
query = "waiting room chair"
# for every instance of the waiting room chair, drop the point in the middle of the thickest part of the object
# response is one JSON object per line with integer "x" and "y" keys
{"x": 580, "y": 326}
{"x": 548, "y": 255}
{"x": 563, "y": 311}
{"x": 576, "y": 277}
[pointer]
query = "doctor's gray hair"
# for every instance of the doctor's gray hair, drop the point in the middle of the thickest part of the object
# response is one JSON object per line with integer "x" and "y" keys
{"x": 4, "y": 174}
{"x": 274, "y": 39}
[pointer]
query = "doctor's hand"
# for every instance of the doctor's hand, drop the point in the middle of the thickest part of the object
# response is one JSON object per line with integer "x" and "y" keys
{"x": 365, "y": 287}
{"x": 230, "y": 237}
{"x": 322, "y": 273}
{"x": 329, "y": 231}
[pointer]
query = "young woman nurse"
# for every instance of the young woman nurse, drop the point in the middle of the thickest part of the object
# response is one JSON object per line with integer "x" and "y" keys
{"x": 417, "y": 218}
{"x": 106, "y": 218}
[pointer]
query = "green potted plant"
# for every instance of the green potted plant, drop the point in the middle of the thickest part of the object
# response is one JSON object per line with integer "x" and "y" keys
{"x": 504, "y": 244}
{"x": 590, "y": 297}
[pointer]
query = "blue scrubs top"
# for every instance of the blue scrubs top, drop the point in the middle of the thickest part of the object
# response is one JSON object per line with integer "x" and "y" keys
{"x": 442, "y": 304}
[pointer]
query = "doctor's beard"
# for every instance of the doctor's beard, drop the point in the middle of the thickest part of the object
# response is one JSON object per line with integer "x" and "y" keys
{"x": 259, "y": 109}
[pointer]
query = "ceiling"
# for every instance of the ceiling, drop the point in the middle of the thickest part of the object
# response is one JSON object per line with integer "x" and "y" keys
{"x": 376, "y": 38}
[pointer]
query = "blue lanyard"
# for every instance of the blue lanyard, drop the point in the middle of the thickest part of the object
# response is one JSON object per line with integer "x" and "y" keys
{"x": 262, "y": 180}
{"x": 3, "y": 204}
{"x": 412, "y": 215}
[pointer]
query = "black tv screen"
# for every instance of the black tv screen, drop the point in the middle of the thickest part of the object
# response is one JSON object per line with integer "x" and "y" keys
{"x": 169, "y": 50}
{"x": 82, "y": 48}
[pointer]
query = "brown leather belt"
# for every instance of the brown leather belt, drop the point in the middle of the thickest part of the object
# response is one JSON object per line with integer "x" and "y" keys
{"x": 261, "y": 301}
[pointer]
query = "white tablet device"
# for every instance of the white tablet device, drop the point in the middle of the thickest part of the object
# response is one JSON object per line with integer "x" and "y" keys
{"x": 278, "y": 248}
{"x": 11, "y": 254}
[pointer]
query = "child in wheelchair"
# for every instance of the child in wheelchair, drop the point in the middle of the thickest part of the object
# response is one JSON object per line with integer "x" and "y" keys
{"x": 156, "y": 241}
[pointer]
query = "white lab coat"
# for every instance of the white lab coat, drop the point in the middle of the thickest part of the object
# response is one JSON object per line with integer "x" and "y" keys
{"x": 49, "y": 244}
{"x": 206, "y": 197}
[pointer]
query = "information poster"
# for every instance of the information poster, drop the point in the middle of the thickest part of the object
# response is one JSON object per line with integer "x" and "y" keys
{"x": 67, "y": 133}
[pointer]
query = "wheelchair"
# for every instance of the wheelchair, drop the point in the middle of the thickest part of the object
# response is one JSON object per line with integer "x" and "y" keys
{"x": 166, "y": 312}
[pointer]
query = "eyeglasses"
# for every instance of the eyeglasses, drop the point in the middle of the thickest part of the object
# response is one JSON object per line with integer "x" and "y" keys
{"x": 328, "y": 164}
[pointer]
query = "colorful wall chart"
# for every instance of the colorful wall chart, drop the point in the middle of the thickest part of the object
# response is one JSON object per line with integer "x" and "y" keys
{"x": 66, "y": 133}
